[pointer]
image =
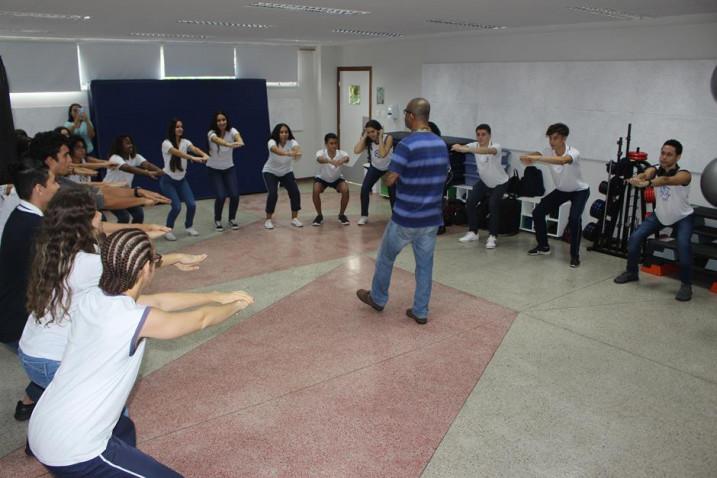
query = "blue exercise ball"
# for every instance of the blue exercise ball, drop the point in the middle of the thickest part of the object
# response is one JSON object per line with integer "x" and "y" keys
{"x": 708, "y": 183}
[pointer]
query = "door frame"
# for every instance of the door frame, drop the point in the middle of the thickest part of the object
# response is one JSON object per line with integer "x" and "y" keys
{"x": 338, "y": 92}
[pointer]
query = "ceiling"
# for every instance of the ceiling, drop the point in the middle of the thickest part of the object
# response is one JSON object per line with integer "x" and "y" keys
{"x": 137, "y": 19}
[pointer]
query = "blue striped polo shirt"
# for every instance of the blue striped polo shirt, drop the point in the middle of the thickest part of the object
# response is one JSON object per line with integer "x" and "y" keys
{"x": 421, "y": 162}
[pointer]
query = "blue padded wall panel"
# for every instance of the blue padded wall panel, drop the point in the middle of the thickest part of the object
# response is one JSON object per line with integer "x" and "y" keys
{"x": 143, "y": 108}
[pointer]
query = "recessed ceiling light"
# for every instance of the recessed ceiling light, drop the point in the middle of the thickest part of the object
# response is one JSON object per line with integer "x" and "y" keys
{"x": 367, "y": 33}
{"x": 308, "y": 9}
{"x": 467, "y": 24}
{"x": 182, "y": 36}
{"x": 219, "y": 23}
{"x": 47, "y": 16}
{"x": 607, "y": 12}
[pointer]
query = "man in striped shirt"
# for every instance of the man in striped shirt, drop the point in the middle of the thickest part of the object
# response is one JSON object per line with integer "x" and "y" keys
{"x": 419, "y": 166}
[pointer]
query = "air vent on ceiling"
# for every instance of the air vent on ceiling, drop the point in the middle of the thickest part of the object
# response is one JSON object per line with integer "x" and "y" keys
{"x": 221, "y": 23}
{"x": 180, "y": 36}
{"x": 607, "y": 12}
{"x": 367, "y": 33}
{"x": 477, "y": 26}
{"x": 308, "y": 9}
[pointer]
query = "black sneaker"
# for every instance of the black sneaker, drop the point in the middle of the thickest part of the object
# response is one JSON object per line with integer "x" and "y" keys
{"x": 23, "y": 412}
{"x": 318, "y": 220}
{"x": 539, "y": 251}
{"x": 685, "y": 293}
{"x": 218, "y": 226}
{"x": 419, "y": 320}
{"x": 574, "y": 262}
{"x": 344, "y": 220}
{"x": 234, "y": 225}
{"x": 626, "y": 277}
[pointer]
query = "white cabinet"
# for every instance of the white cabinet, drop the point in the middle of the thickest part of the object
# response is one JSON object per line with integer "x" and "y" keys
{"x": 555, "y": 222}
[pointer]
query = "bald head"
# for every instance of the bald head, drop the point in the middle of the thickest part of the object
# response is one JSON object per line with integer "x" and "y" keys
{"x": 420, "y": 107}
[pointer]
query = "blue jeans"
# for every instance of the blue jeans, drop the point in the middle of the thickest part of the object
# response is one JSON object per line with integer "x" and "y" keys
{"x": 551, "y": 203}
{"x": 33, "y": 390}
{"x": 123, "y": 215}
{"x": 477, "y": 195}
{"x": 225, "y": 185}
{"x": 178, "y": 192}
{"x": 372, "y": 176}
{"x": 272, "y": 181}
{"x": 651, "y": 225}
{"x": 395, "y": 238}
{"x": 39, "y": 370}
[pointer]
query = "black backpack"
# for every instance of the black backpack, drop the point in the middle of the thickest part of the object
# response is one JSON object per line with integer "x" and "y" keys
{"x": 531, "y": 184}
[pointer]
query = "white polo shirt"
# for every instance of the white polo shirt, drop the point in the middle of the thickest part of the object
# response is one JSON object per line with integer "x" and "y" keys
{"x": 672, "y": 203}
{"x": 329, "y": 172}
{"x": 183, "y": 147}
{"x": 279, "y": 165}
{"x": 117, "y": 175}
{"x": 377, "y": 161}
{"x": 221, "y": 157}
{"x": 490, "y": 169}
{"x": 567, "y": 177}
{"x": 73, "y": 420}
{"x": 48, "y": 340}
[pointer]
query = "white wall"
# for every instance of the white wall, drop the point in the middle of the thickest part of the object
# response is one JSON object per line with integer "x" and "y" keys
{"x": 397, "y": 65}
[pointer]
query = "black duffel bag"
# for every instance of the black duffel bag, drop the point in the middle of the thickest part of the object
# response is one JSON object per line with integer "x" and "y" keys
{"x": 531, "y": 184}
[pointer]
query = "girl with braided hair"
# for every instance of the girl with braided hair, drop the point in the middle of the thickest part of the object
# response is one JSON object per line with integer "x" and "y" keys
{"x": 174, "y": 184}
{"x": 66, "y": 264}
{"x": 78, "y": 428}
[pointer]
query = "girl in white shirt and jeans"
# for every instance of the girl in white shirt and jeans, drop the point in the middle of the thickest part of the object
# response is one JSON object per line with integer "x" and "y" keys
{"x": 174, "y": 184}
{"x": 223, "y": 139}
{"x": 278, "y": 169}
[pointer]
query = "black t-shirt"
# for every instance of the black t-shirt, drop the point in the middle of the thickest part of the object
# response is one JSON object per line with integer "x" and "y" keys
{"x": 16, "y": 251}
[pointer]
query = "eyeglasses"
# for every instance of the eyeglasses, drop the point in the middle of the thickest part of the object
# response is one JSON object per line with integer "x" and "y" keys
{"x": 408, "y": 112}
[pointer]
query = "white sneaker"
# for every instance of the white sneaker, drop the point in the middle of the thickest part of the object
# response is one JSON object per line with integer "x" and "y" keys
{"x": 362, "y": 220}
{"x": 170, "y": 236}
{"x": 490, "y": 243}
{"x": 470, "y": 236}
{"x": 296, "y": 223}
{"x": 268, "y": 224}
{"x": 192, "y": 232}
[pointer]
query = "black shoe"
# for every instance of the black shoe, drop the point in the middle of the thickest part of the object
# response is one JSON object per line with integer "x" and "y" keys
{"x": 626, "y": 277}
{"x": 23, "y": 412}
{"x": 218, "y": 226}
{"x": 344, "y": 220}
{"x": 234, "y": 224}
{"x": 419, "y": 320}
{"x": 318, "y": 220}
{"x": 574, "y": 262}
{"x": 539, "y": 251}
{"x": 365, "y": 297}
{"x": 685, "y": 293}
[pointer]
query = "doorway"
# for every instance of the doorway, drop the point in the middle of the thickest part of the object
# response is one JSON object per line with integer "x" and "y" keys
{"x": 354, "y": 106}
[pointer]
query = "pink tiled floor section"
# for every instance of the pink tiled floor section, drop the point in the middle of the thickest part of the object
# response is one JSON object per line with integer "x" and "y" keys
{"x": 318, "y": 385}
{"x": 254, "y": 250}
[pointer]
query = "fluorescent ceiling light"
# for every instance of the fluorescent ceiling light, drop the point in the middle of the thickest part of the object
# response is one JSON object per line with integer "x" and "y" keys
{"x": 367, "y": 33}
{"x": 467, "y": 24}
{"x": 218, "y": 23}
{"x": 607, "y": 12}
{"x": 182, "y": 36}
{"x": 47, "y": 16}
{"x": 308, "y": 9}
